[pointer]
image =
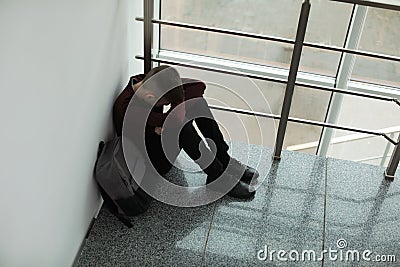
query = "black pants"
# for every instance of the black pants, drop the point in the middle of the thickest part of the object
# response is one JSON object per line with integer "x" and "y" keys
{"x": 190, "y": 141}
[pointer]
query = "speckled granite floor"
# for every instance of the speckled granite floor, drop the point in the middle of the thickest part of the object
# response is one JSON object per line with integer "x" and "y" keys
{"x": 305, "y": 204}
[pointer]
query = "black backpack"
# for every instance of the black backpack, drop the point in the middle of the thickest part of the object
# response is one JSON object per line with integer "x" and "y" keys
{"x": 121, "y": 194}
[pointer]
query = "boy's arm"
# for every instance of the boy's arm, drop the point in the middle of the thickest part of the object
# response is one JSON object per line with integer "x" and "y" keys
{"x": 177, "y": 111}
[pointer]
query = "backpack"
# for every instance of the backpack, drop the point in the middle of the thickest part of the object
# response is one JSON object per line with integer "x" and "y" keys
{"x": 121, "y": 194}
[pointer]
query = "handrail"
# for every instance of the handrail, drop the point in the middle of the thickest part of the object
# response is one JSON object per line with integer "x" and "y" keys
{"x": 220, "y": 30}
{"x": 347, "y": 92}
{"x": 272, "y": 38}
{"x": 219, "y": 70}
{"x": 270, "y": 79}
{"x": 372, "y": 158}
{"x": 378, "y": 4}
{"x": 343, "y": 139}
{"x": 302, "y": 121}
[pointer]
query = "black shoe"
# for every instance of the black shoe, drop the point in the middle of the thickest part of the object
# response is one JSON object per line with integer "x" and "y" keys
{"x": 248, "y": 173}
{"x": 240, "y": 190}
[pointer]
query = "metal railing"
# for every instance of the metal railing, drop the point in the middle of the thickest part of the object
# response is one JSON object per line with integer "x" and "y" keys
{"x": 271, "y": 38}
{"x": 149, "y": 20}
{"x": 346, "y": 139}
{"x": 377, "y": 3}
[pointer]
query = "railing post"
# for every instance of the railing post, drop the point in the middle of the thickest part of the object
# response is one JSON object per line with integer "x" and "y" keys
{"x": 294, "y": 66}
{"x": 386, "y": 152}
{"x": 148, "y": 13}
{"x": 394, "y": 162}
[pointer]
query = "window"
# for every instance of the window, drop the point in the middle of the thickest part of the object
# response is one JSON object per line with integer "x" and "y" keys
{"x": 381, "y": 34}
{"x": 276, "y": 18}
{"x": 329, "y": 24}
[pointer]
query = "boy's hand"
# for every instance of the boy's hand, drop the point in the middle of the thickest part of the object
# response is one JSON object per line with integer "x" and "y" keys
{"x": 158, "y": 130}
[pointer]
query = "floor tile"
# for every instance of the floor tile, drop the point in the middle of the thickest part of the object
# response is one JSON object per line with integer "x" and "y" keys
{"x": 286, "y": 214}
{"x": 363, "y": 209}
{"x": 162, "y": 236}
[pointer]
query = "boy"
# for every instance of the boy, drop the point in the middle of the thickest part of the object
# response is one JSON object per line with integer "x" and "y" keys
{"x": 153, "y": 93}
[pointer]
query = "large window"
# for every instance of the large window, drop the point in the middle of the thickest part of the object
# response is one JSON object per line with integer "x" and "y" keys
{"x": 329, "y": 24}
{"x": 381, "y": 35}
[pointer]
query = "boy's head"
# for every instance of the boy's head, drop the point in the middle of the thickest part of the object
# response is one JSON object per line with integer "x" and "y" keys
{"x": 161, "y": 86}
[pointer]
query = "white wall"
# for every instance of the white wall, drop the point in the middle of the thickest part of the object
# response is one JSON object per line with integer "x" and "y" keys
{"x": 61, "y": 65}
{"x": 135, "y": 35}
